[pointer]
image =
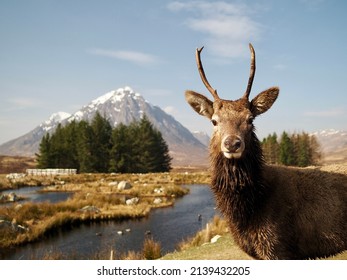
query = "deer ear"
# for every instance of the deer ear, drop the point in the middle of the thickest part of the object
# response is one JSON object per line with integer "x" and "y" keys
{"x": 264, "y": 100}
{"x": 201, "y": 104}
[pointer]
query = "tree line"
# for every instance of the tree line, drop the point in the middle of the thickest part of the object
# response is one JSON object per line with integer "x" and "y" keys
{"x": 297, "y": 149}
{"x": 97, "y": 147}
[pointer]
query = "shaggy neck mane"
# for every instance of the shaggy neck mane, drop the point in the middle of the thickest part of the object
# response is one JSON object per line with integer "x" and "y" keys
{"x": 238, "y": 183}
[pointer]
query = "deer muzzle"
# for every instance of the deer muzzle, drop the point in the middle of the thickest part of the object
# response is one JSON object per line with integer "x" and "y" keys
{"x": 232, "y": 147}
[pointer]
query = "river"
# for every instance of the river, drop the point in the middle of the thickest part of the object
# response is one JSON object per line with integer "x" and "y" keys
{"x": 169, "y": 226}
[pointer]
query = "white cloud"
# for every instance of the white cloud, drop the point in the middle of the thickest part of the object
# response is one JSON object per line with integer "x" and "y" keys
{"x": 228, "y": 27}
{"x": 171, "y": 110}
{"x": 19, "y": 103}
{"x": 334, "y": 112}
{"x": 132, "y": 56}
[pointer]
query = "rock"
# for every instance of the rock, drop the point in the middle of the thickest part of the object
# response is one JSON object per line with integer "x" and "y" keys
{"x": 90, "y": 208}
{"x": 12, "y": 226}
{"x": 18, "y": 207}
{"x": 158, "y": 190}
{"x": 215, "y": 238}
{"x": 124, "y": 185}
{"x": 12, "y": 197}
{"x": 157, "y": 200}
{"x": 132, "y": 201}
{"x": 21, "y": 228}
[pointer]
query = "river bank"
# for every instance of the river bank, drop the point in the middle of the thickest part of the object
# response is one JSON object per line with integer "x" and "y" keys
{"x": 97, "y": 197}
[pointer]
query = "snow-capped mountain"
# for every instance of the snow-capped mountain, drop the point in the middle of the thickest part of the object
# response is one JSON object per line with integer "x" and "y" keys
{"x": 123, "y": 105}
{"x": 54, "y": 120}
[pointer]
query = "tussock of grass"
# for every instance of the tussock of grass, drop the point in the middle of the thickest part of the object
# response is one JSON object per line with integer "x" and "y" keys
{"x": 216, "y": 226}
{"x": 151, "y": 249}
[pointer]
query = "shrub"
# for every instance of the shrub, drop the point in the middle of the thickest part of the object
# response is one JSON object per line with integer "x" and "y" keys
{"x": 151, "y": 249}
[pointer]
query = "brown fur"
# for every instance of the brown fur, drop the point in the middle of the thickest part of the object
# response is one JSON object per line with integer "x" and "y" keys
{"x": 273, "y": 212}
{"x": 277, "y": 212}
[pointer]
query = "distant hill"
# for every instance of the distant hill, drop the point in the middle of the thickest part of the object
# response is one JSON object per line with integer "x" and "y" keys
{"x": 202, "y": 137}
{"x": 15, "y": 164}
{"x": 123, "y": 105}
{"x": 333, "y": 144}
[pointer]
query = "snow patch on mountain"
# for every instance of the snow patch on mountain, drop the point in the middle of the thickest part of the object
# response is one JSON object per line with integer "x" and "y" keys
{"x": 54, "y": 120}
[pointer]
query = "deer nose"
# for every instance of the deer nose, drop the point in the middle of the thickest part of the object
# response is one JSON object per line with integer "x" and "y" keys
{"x": 232, "y": 144}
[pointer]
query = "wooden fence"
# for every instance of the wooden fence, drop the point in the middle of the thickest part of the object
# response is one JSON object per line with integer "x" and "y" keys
{"x": 50, "y": 172}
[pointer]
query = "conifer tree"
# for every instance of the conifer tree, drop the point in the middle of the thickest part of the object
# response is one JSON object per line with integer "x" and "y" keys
{"x": 84, "y": 143}
{"x": 121, "y": 154}
{"x": 101, "y": 145}
{"x": 286, "y": 150}
{"x": 44, "y": 157}
{"x": 303, "y": 157}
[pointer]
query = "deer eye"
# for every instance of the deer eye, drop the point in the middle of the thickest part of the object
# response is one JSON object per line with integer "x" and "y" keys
{"x": 214, "y": 122}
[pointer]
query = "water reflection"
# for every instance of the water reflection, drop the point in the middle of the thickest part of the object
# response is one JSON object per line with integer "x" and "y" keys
{"x": 33, "y": 194}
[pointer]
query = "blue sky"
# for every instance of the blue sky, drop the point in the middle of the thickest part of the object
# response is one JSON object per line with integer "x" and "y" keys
{"x": 59, "y": 55}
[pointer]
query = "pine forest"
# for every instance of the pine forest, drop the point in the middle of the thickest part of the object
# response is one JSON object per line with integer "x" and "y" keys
{"x": 97, "y": 147}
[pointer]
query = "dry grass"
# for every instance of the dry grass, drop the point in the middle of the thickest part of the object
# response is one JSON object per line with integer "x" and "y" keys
{"x": 216, "y": 226}
{"x": 199, "y": 247}
{"x": 16, "y": 164}
{"x": 151, "y": 249}
{"x": 97, "y": 180}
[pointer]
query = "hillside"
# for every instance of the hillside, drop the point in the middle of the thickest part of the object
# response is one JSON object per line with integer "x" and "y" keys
{"x": 15, "y": 164}
{"x": 333, "y": 144}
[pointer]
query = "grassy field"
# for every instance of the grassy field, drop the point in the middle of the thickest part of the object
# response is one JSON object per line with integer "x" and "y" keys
{"x": 15, "y": 164}
{"x": 199, "y": 247}
{"x": 223, "y": 249}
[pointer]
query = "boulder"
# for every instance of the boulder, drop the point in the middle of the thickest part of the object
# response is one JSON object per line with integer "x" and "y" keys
{"x": 18, "y": 207}
{"x": 124, "y": 185}
{"x": 12, "y": 226}
{"x": 132, "y": 201}
{"x": 215, "y": 238}
{"x": 90, "y": 208}
{"x": 12, "y": 197}
{"x": 157, "y": 200}
{"x": 159, "y": 190}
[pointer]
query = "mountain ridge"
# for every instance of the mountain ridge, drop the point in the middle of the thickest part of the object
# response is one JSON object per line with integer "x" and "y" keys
{"x": 123, "y": 105}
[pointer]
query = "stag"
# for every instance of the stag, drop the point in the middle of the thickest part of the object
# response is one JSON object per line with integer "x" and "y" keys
{"x": 273, "y": 212}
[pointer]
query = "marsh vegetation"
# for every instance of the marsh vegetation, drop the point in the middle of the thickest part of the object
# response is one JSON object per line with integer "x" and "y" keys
{"x": 96, "y": 198}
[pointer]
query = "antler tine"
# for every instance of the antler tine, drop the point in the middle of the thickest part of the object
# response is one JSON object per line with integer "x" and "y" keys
{"x": 251, "y": 74}
{"x": 202, "y": 75}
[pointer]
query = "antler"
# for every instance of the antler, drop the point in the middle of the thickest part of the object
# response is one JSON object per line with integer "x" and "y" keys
{"x": 202, "y": 75}
{"x": 251, "y": 74}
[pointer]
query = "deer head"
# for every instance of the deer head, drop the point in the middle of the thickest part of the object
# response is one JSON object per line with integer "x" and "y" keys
{"x": 232, "y": 119}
